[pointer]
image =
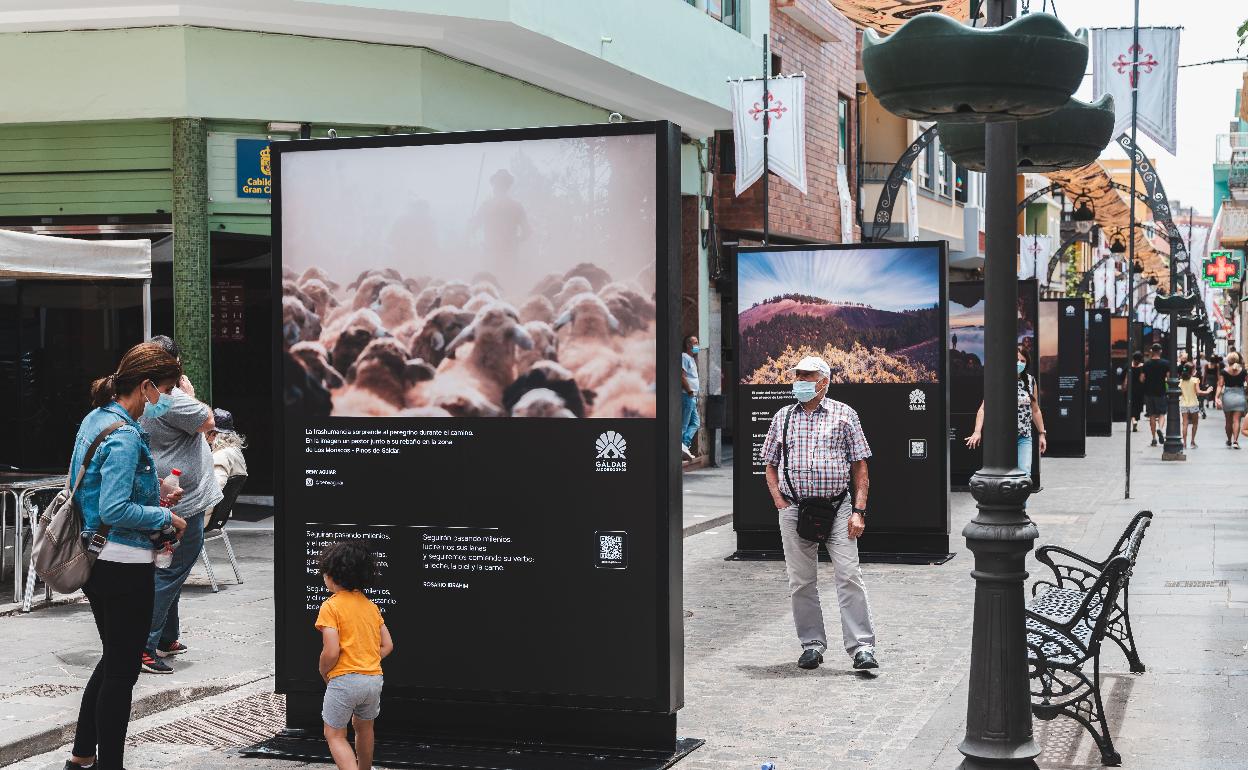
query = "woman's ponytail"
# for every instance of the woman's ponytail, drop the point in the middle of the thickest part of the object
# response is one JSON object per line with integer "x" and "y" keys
{"x": 103, "y": 390}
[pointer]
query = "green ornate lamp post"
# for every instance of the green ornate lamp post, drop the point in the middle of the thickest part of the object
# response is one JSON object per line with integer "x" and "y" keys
{"x": 1024, "y": 68}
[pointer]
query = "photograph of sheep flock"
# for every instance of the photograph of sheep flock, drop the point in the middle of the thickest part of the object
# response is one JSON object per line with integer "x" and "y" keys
{"x": 872, "y": 314}
{"x": 492, "y": 279}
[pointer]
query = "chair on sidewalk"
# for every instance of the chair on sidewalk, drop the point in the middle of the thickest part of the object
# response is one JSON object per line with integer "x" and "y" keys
{"x": 214, "y": 529}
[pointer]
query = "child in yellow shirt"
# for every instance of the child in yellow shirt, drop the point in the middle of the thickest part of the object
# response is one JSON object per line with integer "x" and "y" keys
{"x": 354, "y": 639}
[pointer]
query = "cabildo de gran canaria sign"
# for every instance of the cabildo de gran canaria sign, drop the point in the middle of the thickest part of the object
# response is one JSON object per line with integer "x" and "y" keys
{"x": 254, "y": 172}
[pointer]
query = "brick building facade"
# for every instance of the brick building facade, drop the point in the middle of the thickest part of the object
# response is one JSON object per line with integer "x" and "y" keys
{"x": 808, "y": 36}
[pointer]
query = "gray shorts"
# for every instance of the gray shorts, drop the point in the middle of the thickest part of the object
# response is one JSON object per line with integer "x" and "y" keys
{"x": 349, "y": 695}
{"x": 1156, "y": 405}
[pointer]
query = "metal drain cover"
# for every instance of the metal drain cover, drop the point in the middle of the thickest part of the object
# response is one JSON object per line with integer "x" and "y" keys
{"x": 1196, "y": 584}
{"x": 231, "y": 725}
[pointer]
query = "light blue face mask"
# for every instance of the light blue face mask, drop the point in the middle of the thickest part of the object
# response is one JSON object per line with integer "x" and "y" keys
{"x": 804, "y": 391}
{"x": 696, "y": 349}
{"x": 163, "y": 403}
{"x": 1021, "y": 366}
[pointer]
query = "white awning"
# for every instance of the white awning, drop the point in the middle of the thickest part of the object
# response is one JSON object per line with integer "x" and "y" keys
{"x": 47, "y": 257}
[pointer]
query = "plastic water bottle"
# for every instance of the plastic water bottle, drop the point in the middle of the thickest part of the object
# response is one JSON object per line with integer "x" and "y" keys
{"x": 168, "y": 487}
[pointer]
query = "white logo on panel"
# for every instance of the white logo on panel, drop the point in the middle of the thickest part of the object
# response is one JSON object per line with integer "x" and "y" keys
{"x": 1070, "y": 310}
{"x": 611, "y": 448}
{"x": 918, "y": 400}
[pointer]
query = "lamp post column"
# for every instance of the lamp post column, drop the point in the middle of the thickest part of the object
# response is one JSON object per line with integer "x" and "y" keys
{"x": 998, "y": 714}
{"x": 1173, "y": 448}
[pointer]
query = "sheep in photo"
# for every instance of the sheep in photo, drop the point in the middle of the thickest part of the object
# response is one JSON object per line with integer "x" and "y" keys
{"x": 456, "y": 293}
{"x": 428, "y": 299}
{"x": 368, "y": 292}
{"x": 485, "y": 287}
{"x": 548, "y": 286}
{"x": 289, "y": 289}
{"x": 356, "y": 402}
{"x": 364, "y": 318}
{"x": 416, "y": 285}
{"x": 384, "y": 368}
{"x": 398, "y": 306}
{"x": 596, "y": 276}
{"x": 587, "y": 317}
{"x": 549, "y": 376}
{"x": 315, "y": 359}
{"x": 468, "y": 404}
{"x": 572, "y": 287}
{"x": 541, "y": 403}
{"x": 634, "y": 310}
{"x": 625, "y": 394}
{"x": 298, "y": 322}
{"x": 439, "y": 328}
{"x": 359, "y": 279}
{"x": 303, "y": 392}
{"x": 490, "y": 366}
{"x": 545, "y": 345}
{"x": 289, "y": 275}
{"x": 479, "y": 301}
{"x": 311, "y": 274}
{"x": 537, "y": 308}
{"x": 323, "y": 299}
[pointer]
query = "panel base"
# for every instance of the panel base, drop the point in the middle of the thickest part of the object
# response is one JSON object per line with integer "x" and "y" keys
{"x": 310, "y": 746}
{"x": 877, "y": 548}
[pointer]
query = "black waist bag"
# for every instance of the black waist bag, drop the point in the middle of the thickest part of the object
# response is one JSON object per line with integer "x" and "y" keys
{"x": 815, "y": 515}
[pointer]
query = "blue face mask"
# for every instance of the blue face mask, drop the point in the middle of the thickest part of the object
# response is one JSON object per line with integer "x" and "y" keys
{"x": 1021, "y": 367}
{"x": 163, "y": 403}
{"x": 804, "y": 391}
{"x": 696, "y": 349}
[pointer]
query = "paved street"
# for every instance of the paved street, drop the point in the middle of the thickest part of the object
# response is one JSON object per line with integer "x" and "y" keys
{"x": 744, "y": 695}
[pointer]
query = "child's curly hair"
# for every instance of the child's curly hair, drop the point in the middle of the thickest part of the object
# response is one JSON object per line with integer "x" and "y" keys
{"x": 350, "y": 565}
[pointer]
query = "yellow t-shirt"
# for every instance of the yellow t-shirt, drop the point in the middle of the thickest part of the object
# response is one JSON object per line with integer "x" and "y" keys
{"x": 359, "y": 632}
{"x": 1187, "y": 393}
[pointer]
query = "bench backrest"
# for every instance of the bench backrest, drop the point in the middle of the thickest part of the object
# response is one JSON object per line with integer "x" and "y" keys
{"x": 1102, "y": 597}
{"x": 1133, "y": 536}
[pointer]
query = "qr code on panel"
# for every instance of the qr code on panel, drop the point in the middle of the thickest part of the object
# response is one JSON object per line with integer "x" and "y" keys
{"x": 612, "y": 550}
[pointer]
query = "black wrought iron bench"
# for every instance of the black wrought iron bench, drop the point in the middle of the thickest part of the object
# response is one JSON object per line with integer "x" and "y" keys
{"x": 1065, "y": 629}
{"x": 1083, "y": 572}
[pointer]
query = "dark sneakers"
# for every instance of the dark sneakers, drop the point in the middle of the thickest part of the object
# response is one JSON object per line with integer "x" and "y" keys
{"x": 811, "y": 658}
{"x": 177, "y": 648}
{"x": 153, "y": 665}
{"x": 865, "y": 659}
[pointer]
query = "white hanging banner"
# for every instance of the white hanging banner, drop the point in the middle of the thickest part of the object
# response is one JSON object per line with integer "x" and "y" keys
{"x": 786, "y": 106}
{"x": 847, "y": 204}
{"x": 1033, "y": 254}
{"x": 1158, "y": 89}
{"x": 912, "y": 210}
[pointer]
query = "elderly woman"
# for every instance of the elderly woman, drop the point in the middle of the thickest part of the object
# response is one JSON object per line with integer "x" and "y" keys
{"x": 227, "y": 448}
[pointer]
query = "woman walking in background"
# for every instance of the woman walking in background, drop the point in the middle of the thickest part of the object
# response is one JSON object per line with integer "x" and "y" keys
{"x": 1028, "y": 415}
{"x": 1190, "y": 393}
{"x": 1230, "y": 397}
{"x": 119, "y": 497}
{"x": 1209, "y": 379}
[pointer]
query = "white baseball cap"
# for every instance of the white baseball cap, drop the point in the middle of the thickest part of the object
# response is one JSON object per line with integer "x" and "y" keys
{"x": 813, "y": 364}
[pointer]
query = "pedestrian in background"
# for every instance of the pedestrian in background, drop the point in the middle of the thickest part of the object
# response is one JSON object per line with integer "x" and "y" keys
{"x": 1136, "y": 373}
{"x": 1190, "y": 393}
{"x": 354, "y": 639}
{"x": 178, "y": 442}
{"x": 820, "y": 443}
{"x": 227, "y": 447}
{"x": 1154, "y": 374}
{"x": 1029, "y": 415}
{"x": 119, "y": 498}
{"x": 689, "y": 385}
{"x": 1230, "y": 396}
{"x": 1209, "y": 380}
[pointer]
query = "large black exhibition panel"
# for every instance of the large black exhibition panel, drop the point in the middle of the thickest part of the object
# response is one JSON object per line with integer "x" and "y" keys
{"x": 966, "y": 370}
{"x": 1061, "y": 374}
{"x": 876, "y": 314}
{"x": 1099, "y": 366}
{"x": 475, "y": 380}
{"x": 1120, "y": 362}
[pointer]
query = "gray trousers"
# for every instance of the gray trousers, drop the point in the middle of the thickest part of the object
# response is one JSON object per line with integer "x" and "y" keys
{"x": 801, "y": 560}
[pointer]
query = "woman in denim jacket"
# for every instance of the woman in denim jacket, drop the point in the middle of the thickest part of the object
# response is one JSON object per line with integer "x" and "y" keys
{"x": 121, "y": 490}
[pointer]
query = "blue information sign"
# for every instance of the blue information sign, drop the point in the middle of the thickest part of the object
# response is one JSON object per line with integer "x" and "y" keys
{"x": 254, "y": 174}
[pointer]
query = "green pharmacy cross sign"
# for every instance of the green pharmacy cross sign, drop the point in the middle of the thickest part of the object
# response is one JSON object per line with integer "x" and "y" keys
{"x": 1222, "y": 269}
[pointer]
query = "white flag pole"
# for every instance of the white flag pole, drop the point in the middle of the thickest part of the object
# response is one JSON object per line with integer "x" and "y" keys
{"x": 766, "y": 133}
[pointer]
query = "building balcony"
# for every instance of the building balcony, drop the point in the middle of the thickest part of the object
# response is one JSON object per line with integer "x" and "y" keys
{"x": 1226, "y": 145}
{"x": 1234, "y": 226}
{"x": 1237, "y": 179}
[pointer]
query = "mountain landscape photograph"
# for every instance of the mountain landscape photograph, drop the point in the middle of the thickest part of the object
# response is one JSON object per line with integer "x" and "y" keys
{"x": 872, "y": 314}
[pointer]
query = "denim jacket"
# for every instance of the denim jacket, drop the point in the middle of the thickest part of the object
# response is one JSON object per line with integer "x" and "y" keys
{"x": 120, "y": 487}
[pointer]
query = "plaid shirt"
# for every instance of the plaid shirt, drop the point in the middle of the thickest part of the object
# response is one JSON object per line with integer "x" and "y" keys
{"x": 821, "y": 446}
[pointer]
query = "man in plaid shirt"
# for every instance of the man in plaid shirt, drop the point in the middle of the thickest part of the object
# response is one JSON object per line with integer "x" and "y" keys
{"x": 825, "y": 447}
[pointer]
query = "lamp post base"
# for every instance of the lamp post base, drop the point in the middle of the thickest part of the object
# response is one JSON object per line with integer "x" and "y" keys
{"x": 1174, "y": 456}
